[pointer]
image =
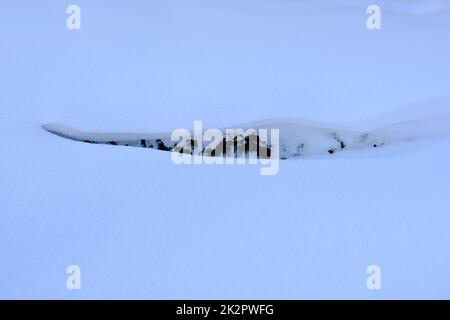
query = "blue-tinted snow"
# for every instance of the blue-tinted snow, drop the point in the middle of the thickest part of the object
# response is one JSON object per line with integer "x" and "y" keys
{"x": 141, "y": 227}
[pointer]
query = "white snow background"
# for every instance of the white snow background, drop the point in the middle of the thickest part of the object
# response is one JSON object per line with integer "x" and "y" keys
{"x": 140, "y": 227}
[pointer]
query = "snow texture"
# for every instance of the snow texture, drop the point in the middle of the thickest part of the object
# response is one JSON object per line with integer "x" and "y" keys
{"x": 139, "y": 226}
{"x": 297, "y": 138}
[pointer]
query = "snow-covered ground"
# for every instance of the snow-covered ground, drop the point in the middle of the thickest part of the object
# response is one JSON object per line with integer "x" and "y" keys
{"x": 139, "y": 226}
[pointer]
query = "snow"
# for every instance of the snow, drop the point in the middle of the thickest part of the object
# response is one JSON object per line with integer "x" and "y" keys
{"x": 140, "y": 227}
{"x": 298, "y": 138}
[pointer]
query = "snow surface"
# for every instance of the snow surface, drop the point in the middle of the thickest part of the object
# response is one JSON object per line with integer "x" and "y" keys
{"x": 296, "y": 138}
{"x": 140, "y": 227}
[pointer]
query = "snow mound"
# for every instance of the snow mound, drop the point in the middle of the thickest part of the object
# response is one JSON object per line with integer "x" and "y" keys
{"x": 297, "y": 137}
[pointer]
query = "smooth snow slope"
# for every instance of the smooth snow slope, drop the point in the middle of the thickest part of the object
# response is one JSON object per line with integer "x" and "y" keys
{"x": 140, "y": 227}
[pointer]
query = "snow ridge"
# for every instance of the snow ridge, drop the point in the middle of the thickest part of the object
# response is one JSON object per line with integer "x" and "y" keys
{"x": 297, "y": 137}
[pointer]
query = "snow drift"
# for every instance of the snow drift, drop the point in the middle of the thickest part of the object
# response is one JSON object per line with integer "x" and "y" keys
{"x": 297, "y": 138}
